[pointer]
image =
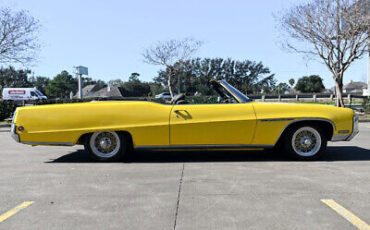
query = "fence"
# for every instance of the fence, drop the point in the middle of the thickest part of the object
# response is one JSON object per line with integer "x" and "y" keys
{"x": 348, "y": 98}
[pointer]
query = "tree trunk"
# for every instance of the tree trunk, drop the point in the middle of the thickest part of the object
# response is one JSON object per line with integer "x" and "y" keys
{"x": 339, "y": 91}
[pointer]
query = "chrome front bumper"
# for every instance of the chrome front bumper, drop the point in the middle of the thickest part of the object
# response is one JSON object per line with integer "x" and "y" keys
{"x": 355, "y": 129}
{"x": 13, "y": 133}
{"x": 349, "y": 137}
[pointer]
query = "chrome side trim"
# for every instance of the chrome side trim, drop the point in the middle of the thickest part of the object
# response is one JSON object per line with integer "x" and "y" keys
{"x": 48, "y": 143}
{"x": 305, "y": 119}
{"x": 339, "y": 138}
{"x": 13, "y": 133}
{"x": 201, "y": 146}
{"x": 277, "y": 119}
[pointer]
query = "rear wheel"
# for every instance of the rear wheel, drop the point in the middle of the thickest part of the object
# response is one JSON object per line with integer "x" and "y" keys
{"x": 305, "y": 142}
{"x": 106, "y": 145}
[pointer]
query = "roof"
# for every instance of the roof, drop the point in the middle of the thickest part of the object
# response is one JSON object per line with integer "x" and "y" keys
{"x": 87, "y": 90}
{"x": 94, "y": 91}
{"x": 114, "y": 92}
{"x": 355, "y": 85}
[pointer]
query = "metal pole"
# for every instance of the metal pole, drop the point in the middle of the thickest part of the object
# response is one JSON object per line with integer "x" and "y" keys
{"x": 368, "y": 68}
{"x": 80, "y": 86}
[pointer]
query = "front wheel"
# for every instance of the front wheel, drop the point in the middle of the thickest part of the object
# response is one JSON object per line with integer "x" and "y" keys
{"x": 105, "y": 145}
{"x": 305, "y": 142}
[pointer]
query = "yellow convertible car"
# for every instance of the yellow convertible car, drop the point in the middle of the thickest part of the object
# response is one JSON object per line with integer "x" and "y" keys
{"x": 109, "y": 129}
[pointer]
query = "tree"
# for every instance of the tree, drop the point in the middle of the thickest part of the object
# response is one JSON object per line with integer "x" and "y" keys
{"x": 62, "y": 85}
{"x": 18, "y": 36}
{"x": 281, "y": 88}
{"x": 291, "y": 82}
{"x": 134, "y": 87}
{"x": 12, "y": 78}
{"x": 337, "y": 31}
{"x": 40, "y": 83}
{"x": 168, "y": 53}
{"x": 156, "y": 88}
{"x": 310, "y": 84}
{"x": 134, "y": 77}
{"x": 115, "y": 83}
{"x": 195, "y": 75}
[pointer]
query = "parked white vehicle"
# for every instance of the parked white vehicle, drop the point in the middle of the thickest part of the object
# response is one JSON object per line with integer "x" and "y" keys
{"x": 22, "y": 94}
{"x": 164, "y": 95}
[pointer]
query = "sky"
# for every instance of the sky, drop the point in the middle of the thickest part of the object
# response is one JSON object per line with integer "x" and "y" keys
{"x": 110, "y": 36}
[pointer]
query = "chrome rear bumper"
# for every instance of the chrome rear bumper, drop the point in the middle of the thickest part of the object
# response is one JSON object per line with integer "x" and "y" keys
{"x": 13, "y": 133}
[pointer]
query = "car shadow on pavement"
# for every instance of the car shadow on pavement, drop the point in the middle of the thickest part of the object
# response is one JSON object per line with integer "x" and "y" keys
{"x": 342, "y": 153}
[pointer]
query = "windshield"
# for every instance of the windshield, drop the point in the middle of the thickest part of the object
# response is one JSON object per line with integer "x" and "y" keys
{"x": 39, "y": 93}
{"x": 242, "y": 98}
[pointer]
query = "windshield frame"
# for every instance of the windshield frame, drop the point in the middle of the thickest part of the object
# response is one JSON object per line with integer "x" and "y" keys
{"x": 239, "y": 96}
{"x": 39, "y": 93}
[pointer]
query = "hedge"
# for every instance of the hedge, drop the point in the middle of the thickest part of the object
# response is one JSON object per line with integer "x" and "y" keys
{"x": 7, "y": 108}
{"x": 366, "y": 104}
{"x": 189, "y": 99}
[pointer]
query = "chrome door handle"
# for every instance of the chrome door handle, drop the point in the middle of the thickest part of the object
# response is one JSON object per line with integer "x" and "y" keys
{"x": 182, "y": 113}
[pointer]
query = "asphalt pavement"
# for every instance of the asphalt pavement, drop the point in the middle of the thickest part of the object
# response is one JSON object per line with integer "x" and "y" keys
{"x": 61, "y": 188}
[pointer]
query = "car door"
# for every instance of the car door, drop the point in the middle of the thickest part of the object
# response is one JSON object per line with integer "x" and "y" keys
{"x": 34, "y": 96}
{"x": 212, "y": 124}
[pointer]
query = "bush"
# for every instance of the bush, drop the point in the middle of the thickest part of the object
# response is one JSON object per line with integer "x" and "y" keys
{"x": 202, "y": 100}
{"x": 366, "y": 104}
{"x": 7, "y": 108}
{"x": 61, "y": 101}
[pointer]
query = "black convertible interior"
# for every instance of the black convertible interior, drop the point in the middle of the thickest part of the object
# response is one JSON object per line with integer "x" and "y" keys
{"x": 224, "y": 96}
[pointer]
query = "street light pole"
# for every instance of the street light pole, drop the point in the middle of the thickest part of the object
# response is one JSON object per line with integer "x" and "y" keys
{"x": 80, "y": 70}
{"x": 80, "y": 96}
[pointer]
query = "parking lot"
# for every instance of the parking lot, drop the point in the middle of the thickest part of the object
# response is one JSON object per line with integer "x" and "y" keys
{"x": 184, "y": 190}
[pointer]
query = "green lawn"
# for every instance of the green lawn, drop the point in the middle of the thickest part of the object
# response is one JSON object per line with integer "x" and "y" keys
{"x": 365, "y": 116}
{"x": 5, "y": 122}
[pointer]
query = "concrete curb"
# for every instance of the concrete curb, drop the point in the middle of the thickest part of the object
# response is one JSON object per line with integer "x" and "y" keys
{"x": 4, "y": 125}
{"x": 364, "y": 120}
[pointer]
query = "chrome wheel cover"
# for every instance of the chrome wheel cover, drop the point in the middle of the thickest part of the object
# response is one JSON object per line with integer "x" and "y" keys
{"x": 105, "y": 144}
{"x": 306, "y": 141}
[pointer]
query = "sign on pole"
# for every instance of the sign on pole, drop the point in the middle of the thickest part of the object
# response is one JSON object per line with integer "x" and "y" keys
{"x": 82, "y": 70}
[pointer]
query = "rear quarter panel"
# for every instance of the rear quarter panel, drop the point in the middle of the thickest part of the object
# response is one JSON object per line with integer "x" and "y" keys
{"x": 147, "y": 122}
